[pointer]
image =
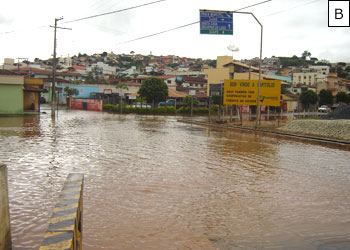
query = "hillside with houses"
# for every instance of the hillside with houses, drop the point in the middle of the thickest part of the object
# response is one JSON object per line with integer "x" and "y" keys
{"x": 109, "y": 76}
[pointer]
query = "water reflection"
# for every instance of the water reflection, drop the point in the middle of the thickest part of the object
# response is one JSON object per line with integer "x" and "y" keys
{"x": 23, "y": 126}
{"x": 154, "y": 183}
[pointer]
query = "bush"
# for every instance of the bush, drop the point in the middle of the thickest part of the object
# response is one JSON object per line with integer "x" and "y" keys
{"x": 141, "y": 111}
{"x": 108, "y": 107}
{"x": 163, "y": 110}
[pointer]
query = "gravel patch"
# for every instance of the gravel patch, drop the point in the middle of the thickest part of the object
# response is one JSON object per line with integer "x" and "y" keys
{"x": 337, "y": 129}
{"x": 343, "y": 112}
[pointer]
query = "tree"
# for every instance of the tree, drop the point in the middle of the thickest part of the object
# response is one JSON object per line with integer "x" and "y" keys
{"x": 342, "y": 97}
{"x": 308, "y": 98}
{"x": 291, "y": 61}
{"x": 306, "y": 54}
{"x": 154, "y": 90}
{"x": 188, "y": 100}
{"x": 341, "y": 64}
{"x": 212, "y": 63}
{"x": 121, "y": 86}
{"x": 314, "y": 60}
{"x": 325, "y": 97}
{"x": 69, "y": 92}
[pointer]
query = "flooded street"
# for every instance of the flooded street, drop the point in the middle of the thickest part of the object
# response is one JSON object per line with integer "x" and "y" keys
{"x": 154, "y": 183}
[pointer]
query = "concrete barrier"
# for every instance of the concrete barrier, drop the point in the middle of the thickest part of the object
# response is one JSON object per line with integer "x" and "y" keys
{"x": 65, "y": 228}
{"x": 5, "y": 229}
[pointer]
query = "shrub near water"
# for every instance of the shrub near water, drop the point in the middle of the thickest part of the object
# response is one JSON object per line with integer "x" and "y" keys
{"x": 164, "y": 110}
{"x": 141, "y": 111}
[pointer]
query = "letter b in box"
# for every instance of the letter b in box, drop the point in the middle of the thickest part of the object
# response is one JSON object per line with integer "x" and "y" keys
{"x": 338, "y": 13}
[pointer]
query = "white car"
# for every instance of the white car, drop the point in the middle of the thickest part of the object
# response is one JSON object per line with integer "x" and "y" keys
{"x": 324, "y": 109}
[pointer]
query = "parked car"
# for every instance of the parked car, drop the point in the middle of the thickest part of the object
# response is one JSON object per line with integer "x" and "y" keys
{"x": 324, "y": 109}
{"x": 169, "y": 102}
{"x": 334, "y": 106}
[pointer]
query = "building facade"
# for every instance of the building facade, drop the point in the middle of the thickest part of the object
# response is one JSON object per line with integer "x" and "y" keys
{"x": 11, "y": 93}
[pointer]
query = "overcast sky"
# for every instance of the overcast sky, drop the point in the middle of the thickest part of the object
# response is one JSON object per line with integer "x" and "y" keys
{"x": 290, "y": 27}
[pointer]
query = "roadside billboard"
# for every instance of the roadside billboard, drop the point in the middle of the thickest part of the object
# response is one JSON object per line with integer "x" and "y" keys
{"x": 245, "y": 92}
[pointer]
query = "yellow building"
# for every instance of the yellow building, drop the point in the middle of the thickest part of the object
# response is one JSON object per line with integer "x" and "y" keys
{"x": 220, "y": 73}
{"x": 31, "y": 93}
{"x": 229, "y": 69}
{"x": 226, "y": 68}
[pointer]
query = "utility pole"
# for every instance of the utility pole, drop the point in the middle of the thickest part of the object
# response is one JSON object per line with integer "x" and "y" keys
{"x": 20, "y": 58}
{"x": 260, "y": 60}
{"x": 53, "y": 91}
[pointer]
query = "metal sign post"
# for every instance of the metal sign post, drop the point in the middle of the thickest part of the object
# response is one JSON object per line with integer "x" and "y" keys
{"x": 220, "y": 22}
{"x": 260, "y": 60}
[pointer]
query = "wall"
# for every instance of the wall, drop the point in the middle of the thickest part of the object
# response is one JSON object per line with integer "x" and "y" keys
{"x": 11, "y": 99}
{"x": 31, "y": 98}
{"x": 99, "y": 88}
{"x": 5, "y": 232}
{"x": 216, "y": 76}
{"x": 86, "y": 104}
{"x": 11, "y": 79}
{"x": 246, "y": 75}
{"x": 222, "y": 60}
{"x": 84, "y": 91}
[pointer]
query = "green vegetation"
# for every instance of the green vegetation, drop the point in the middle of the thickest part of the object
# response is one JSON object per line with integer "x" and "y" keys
{"x": 70, "y": 91}
{"x": 164, "y": 110}
{"x": 325, "y": 97}
{"x": 188, "y": 100}
{"x": 154, "y": 90}
{"x": 341, "y": 70}
{"x": 308, "y": 98}
{"x": 304, "y": 60}
{"x": 342, "y": 97}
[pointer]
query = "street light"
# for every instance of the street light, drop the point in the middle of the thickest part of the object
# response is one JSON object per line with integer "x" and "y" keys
{"x": 259, "y": 79}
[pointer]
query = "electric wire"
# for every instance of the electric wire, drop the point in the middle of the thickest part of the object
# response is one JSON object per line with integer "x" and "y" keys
{"x": 98, "y": 15}
{"x": 186, "y": 25}
{"x": 115, "y": 11}
{"x": 298, "y": 6}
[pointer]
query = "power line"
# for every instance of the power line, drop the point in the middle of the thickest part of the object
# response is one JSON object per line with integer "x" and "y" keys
{"x": 292, "y": 8}
{"x": 14, "y": 31}
{"x": 98, "y": 15}
{"x": 116, "y": 11}
{"x": 158, "y": 33}
{"x": 186, "y": 25}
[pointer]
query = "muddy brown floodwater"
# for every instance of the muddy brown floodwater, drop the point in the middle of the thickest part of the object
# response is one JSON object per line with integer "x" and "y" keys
{"x": 154, "y": 183}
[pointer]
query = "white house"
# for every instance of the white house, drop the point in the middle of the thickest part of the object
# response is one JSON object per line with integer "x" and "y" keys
{"x": 309, "y": 78}
{"x": 322, "y": 69}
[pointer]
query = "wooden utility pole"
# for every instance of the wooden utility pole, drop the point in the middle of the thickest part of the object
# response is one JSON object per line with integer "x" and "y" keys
{"x": 53, "y": 91}
{"x": 20, "y": 58}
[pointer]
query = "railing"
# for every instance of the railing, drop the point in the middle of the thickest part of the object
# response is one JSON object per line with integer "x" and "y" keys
{"x": 65, "y": 228}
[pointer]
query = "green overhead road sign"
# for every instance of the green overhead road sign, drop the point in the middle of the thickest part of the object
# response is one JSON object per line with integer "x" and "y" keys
{"x": 216, "y": 22}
